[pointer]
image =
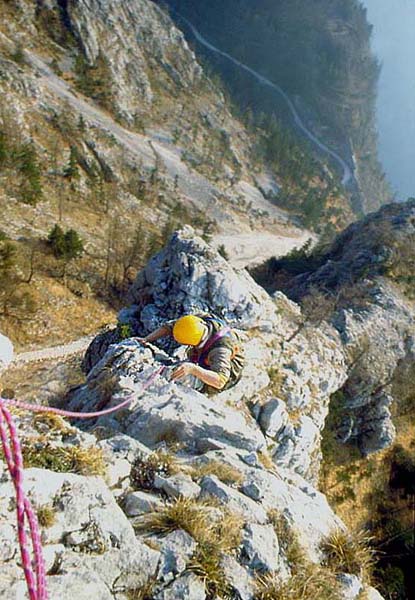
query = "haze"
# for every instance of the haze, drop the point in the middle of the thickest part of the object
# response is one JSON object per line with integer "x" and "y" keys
{"x": 394, "y": 43}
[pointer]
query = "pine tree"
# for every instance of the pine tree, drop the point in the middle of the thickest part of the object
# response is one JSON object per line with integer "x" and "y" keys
{"x": 71, "y": 170}
{"x": 56, "y": 239}
{"x": 28, "y": 165}
{"x": 74, "y": 245}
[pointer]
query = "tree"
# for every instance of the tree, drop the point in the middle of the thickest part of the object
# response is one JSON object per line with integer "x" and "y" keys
{"x": 71, "y": 170}
{"x": 65, "y": 246}
{"x": 16, "y": 300}
{"x": 28, "y": 165}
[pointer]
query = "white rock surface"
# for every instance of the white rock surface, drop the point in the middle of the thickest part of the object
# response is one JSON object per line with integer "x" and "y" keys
{"x": 187, "y": 587}
{"x": 177, "y": 549}
{"x": 138, "y": 503}
{"x": 237, "y": 502}
{"x": 100, "y": 546}
{"x": 260, "y": 547}
{"x": 176, "y": 486}
{"x": 351, "y": 586}
{"x": 6, "y": 352}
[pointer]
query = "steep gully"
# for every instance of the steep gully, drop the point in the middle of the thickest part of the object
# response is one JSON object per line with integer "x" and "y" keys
{"x": 347, "y": 173}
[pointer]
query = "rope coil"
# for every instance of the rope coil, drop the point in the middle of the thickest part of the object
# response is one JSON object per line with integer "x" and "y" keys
{"x": 36, "y": 580}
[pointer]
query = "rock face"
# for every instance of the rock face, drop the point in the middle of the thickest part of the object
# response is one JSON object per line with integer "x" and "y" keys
{"x": 101, "y": 29}
{"x": 183, "y": 466}
{"x": 189, "y": 276}
{"x": 6, "y": 352}
{"x": 91, "y": 545}
{"x": 370, "y": 268}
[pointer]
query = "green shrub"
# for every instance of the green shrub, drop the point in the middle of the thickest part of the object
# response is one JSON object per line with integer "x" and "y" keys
{"x": 65, "y": 245}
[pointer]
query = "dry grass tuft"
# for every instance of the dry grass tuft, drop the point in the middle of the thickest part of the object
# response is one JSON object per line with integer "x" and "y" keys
{"x": 53, "y": 422}
{"x": 215, "y": 535}
{"x": 46, "y": 515}
{"x": 70, "y": 459}
{"x": 226, "y": 473}
{"x": 144, "y": 592}
{"x": 349, "y": 553}
{"x": 288, "y": 540}
{"x": 266, "y": 460}
{"x": 311, "y": 583}
{"x": 308, "y": 581}
{"x": 183, "y": 513}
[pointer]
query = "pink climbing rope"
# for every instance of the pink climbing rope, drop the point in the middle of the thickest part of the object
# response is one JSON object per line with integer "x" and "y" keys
{"x": 36, "y": 583}
{"x": 36, "y": 586}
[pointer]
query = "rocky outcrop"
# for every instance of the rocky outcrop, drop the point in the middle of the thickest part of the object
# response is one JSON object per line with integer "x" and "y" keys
{"x": 6, "y": 352}
{"x": 280, "y": 381}
{"x": 369, "y": 269}
{"x": 108, "y": 30}
{"x": 182, "y": 467}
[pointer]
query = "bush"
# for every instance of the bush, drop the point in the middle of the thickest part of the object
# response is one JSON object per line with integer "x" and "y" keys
{"x": 65, "y": 246}
{"x": 145, "y": 469}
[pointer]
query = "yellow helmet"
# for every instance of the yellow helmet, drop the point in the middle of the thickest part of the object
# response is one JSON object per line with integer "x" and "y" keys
{"x": 189, "y": 330}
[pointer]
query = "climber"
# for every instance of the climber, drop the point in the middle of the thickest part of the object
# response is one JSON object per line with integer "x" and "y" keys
{"x": 215, "y": 357}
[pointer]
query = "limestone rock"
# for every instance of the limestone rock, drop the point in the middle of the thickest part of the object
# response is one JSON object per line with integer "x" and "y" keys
{"x": 168, "y": 411}
{"x": 120, "y": 452}
{"x": 100, "y": 546}
{"x": 176, "y": 486}
{"x": 188, "y": 276}
{"x": 238, "y": 577}
{"x": 260, "y": 547}
{"x": 187, "y": 587}
{"x": 273, "y": 417}
{"x": 304, "y": 508}
{"x": 251, "y": 511}
{"x": 375, "y": 321}
{"x": 6, "y": 352}
{"x": 351, "y": 586}
{"x": 177, "y": 548}
{"x": 373, "y": 594}
{"x": 138, "y": 503}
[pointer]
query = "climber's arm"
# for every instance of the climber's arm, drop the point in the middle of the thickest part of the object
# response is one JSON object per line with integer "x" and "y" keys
{"x": 217, "y": 376}
{"x": 206, "y": 375}
{"x": 157, "y": 334}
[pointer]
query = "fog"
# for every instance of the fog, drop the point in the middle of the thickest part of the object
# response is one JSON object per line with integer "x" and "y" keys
{"x": 394, "y": 43}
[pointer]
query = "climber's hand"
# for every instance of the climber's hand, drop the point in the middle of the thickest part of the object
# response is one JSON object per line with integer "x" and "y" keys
{"x": 186, "y": 368}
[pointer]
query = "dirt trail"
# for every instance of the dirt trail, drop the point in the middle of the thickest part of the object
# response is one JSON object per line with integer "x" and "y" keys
{"x": 53, "y": 352}
{"x": 245, "y": 250}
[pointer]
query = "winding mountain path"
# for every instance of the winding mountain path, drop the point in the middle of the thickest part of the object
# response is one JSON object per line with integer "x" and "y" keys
{"x": 347, "y": 173}
{"x": 53, "y": 352}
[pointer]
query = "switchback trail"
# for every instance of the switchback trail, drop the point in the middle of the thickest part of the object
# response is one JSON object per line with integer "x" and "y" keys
{"x": 53, "y": 352}
{"x": 347, "y": 173}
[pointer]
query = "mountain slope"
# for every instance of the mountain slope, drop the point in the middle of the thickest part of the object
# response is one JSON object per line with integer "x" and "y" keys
{"x": 110, "y": 128}
{"x": 319, "y": 54}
